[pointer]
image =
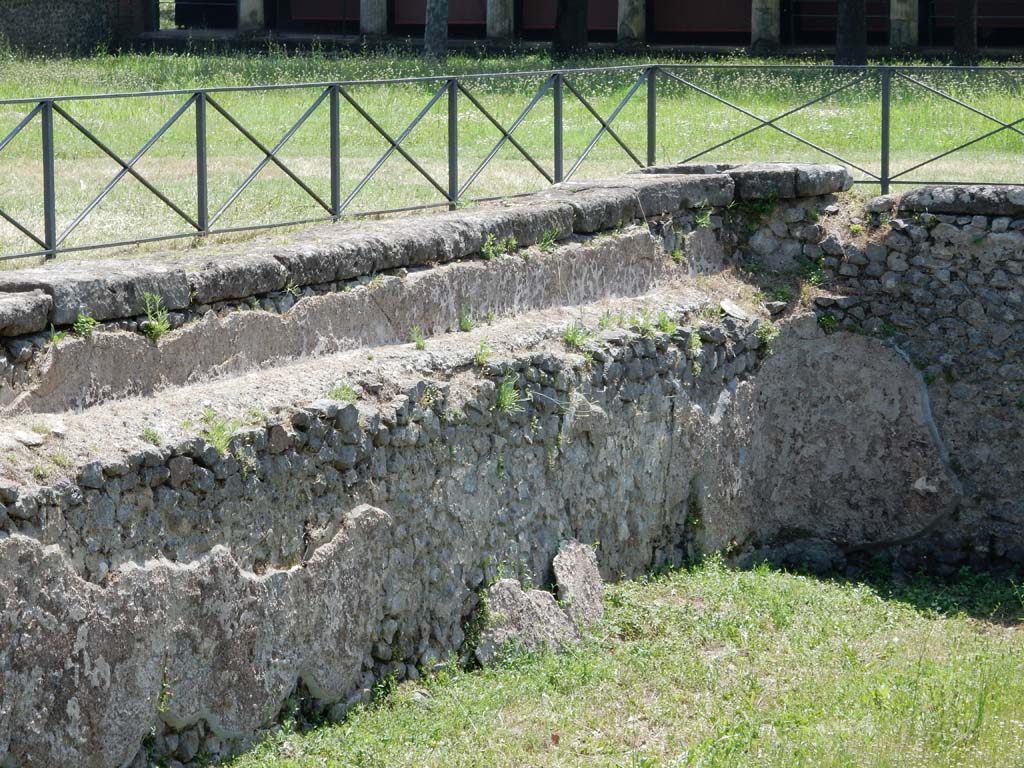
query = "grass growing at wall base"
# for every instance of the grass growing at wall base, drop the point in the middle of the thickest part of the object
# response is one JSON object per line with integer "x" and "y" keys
{"x": 714, "y": 667}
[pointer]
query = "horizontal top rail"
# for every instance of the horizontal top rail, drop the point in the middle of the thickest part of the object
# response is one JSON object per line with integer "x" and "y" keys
{"x": 199, "y": 200}
{"x": 624, "y": 68}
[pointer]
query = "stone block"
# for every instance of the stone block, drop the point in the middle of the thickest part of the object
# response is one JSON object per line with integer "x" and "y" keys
{"x": 522, "y": 620}
{"x": 976, "y": 199}
{"x": 763, "y": 181}
{"x": 233, "y": 276}
{"x": 24, "y": 312}
{"x": 103, "y": 290}
{"x": 580, "y": 588}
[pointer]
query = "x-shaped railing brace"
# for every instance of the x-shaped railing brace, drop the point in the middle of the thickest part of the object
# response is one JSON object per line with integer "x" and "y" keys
{"x": 3, "y": 144}
{"x": 269, "y": 155}
{"x": 771, "y": 123}
{"x": 606, "y": 125}
{"x": 506, "y": 134}
{"x": 127, "y": 167}
{"x": 395, "y": 145}
{"x": 1002, "y": 126}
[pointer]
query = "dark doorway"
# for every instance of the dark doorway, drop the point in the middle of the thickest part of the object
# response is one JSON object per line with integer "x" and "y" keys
{"x": 813, "y": 22}
{"x": 1000, "y": 23}
{"x": 723, "y": 22}
{"x": 535, "y": 19}
{"x": 317, "y": 16}
{"x": 206, "y": 14}
{"x": 466, "y": 18}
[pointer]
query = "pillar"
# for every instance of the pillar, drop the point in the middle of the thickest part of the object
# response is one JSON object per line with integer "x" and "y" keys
{"x": 765, "y": 24}
{"x": 373, "y": 17}
{"x": 903, "y": 23}
{"x": 632, "y": 21}
{"x": 250, "y": 16}
{"x": 500, "y": 19}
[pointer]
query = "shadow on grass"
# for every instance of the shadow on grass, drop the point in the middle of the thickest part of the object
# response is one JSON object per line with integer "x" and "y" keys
{"x": 994, "y": 597}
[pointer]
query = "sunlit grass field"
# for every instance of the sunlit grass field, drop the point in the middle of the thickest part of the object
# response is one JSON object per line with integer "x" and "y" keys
{"x": 717, "y": 668}
{"x": 688, "y": 122}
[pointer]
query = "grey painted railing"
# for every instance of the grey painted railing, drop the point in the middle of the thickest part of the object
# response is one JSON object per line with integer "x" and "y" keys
{"x": 556, "y": 85}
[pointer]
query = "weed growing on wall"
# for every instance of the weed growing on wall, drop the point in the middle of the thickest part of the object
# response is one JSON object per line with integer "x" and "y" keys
{"x": 509, "y": 399}
{"x": 575, "y": 335}
{"x": 548, "y": 241}
{"x": 84, "y": 325}
{"x": 766, "y": 333}
{"x": 157, "y": 323}
{"x": 666, "y": 324}
{"x": 343, "y": 393}
{"x": 483, "y": 354}
{"x": 416, "y": 334}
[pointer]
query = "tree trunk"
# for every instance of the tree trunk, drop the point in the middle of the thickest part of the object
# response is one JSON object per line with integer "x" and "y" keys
{"x": 965, "y": 34}
{"x": 570, "y": 27}
{"x": 851, "y": 33}
{"x": 435, "y": 35}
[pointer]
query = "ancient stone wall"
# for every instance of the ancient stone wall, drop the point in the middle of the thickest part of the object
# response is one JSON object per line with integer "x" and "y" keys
{"x": 289, "y": 497}
{"x": 939, "y": 272}
{"x": 57, "y": 26}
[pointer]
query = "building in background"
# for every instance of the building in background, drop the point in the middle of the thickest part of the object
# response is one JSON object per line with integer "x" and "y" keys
{"x": 759, "y": 24}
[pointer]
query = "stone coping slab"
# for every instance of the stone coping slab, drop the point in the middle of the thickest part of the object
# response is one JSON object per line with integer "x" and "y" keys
{"x": 967, "y": 200}
{"x": 111, "y": 289}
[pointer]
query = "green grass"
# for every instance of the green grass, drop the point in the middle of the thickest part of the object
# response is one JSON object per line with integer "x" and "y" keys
{"x": 713, "y": 667}
{"x": 847, "y": 123}
{"x": 344, "y": 393}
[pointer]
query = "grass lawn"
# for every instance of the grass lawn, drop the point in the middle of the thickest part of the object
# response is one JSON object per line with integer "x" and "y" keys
{"x": 923, "y": 125}
{"x": 714, "y": 667}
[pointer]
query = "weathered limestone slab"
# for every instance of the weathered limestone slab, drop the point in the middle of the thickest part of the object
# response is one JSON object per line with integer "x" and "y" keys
{"x": 760, "y": 181}
{"x": 609, "y": 204}
{"x": 521, "y": 620}
{"x": 216, "y": 278}
{"x": 580, "y": 588}
{"x": 103, "y": 289}
{"x": 24, "y": 312}
{"x": 979, "y": 199}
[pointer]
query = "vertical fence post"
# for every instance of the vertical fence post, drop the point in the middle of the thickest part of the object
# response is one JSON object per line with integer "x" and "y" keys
{"x": 886, "y": 104}
{"x": 336, "y": 151}
{"x": 202, "y": 181}
{"x": 559, "y": 143}
{"x": 49, "y": 186}
{"x": 453, "y": 143}
{"x": 652, "y": 116}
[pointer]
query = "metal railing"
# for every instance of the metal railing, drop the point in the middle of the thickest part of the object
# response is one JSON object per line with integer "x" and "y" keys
{"x": 646, "y": 83}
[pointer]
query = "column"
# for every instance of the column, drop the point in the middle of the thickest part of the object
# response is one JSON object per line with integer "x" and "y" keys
{"x": 632, "y": 21}
{"x": 765, "y": 24}
{"x": 500, "y": 19}
{"x": 250, "y": 16}
{"x": 373, "y": 17}
{"x": 903, "y": 23}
